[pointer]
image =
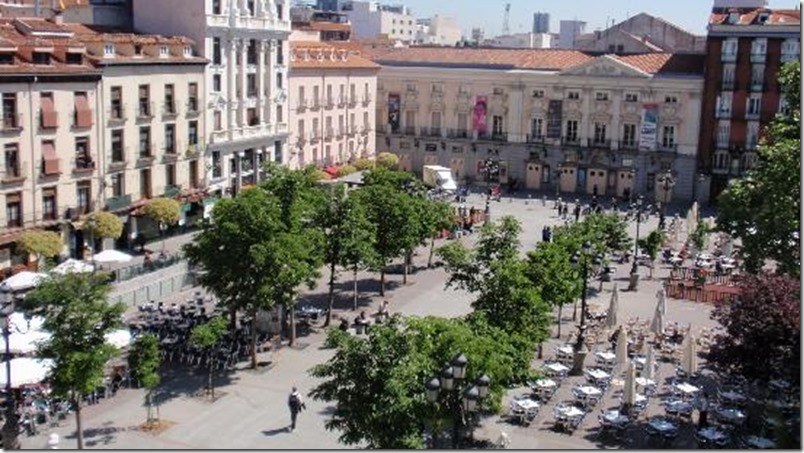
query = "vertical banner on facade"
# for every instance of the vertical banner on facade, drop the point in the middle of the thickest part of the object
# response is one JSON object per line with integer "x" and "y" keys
{"x": 479, "y": 117}
{"x": 554, "y": 109}
{"x": 647, "y": 132}
{"x": 394, "y": 101}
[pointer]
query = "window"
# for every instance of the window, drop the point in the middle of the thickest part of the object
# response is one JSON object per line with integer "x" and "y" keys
{"x": 193, "y": 174}
{"x": 759, "y": 47}
{"x": 721, "y": 160}
{"x": 463, "y": 120}
{"x": 723, "y": 134}
{"x": 752, "y": 135}
{"x": 600, "y": 133}
{"x": 279, "y": 114}
{"x": 170, "y": 175}
{"x": 49, "y": 209}
{"x": 6, "y": 58}
{"x": 251, "y": 117}
{"x": 216, "y": 6}
{"x": 216, "y": 83}
{"x": 14, "y": 210}
{"x": 164, "y": 52}
{"x": 572, "y": 130}
{"x": 729, "y": 48}
{"x": 251, "y": 52}
{"x": 118, "y": 153}
{"x": 497, "y": 125}
{"x": 724, "y": 105}
{"x": 536, "y": 125}
{"x": 145, "y": 183}
{"x": 278, "y": 151}
{"x": 784, "y": 108}
{"x": 117, "y": 103}
{"x": 83, "y": 158}
{"x": 629, "y": 135}
{"x": 251, "y": 85}
{"x": 329, "y": 95}
{"x": 410, "y": 119}
{"x": 145, "y": 142}
{"x": 601, "y": 96}
{"x": 170, "y": 139}
{"x": 108, "y": 50}
{"x": 757, "y": 77}
{"x": 670, "y": 100}
{"x": 538, "y": 93}
{"x": 82, "y": 117}
{"x": 217, "y": 120}
{"x": 631, "y": 97}
{"x": 216, "y": 51}
{"x": 50, "y": 160}
{"x": 144, "y": 101}
{"x": 12, "y": 161}
{"x": 74, "y": 58}
{"x": 40, "y": 58}
{"x": 573, "y": 95}
{"x": 498, "y": 92}
{"x": 791, "y": 49}
{"x": 728, "y": 76}
{"x": 316, "y": 97}
{"x": 48, "y": 119}
{"x": 279, "y": 80}
{"x": 410, "y": 87}
{"x": 118, "y": 184}
{"x": 84, "y": 195}
{"x": 754, "y": 103}
{"x": 192, "y": 97}
{"x": 217, "y": 170}
{"x": 192, "y": 133}
{"x": 352, "y": 93}
{"x": 10, "y": 117}
{"x": 302, "y": 101}
{"x": 170, "y": 99}
{"x": 668, "y": 136}
{"x": 280, "y": 56}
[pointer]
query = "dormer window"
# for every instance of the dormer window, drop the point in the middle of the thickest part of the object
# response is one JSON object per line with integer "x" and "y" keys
{"x": 631, "y": 97}
{"x": 108, "y": 50}
{"x": 137, "y": 49}
{"x": 41, "y": 58}
{"x": 601, "y": 96}
{"x": 498, "y": 91}
{"x": 574, "y": 95}
{"x": 188, "y": 51}
{"x": 75, "y": 58}
{"x": 763, "y": 17}
{"x": 164, "y": 52}
{"x": 538, "y": 93}
{"x": 670, "y": 100}
{"x": 6, "y": 58}
{"x": 734, "y": 17}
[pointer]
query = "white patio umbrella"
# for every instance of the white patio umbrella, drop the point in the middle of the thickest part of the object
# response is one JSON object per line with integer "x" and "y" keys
{"x": 650, "y": 364}
{"x": 629, "y": 389}
{"x": 20, "y": 323}
{"x": 120, "y": 338}
{"x": 27, "y": 371}
{"x": 696, "y": 215}
{"x": 25, "y": 343}
{"x": 657, "y": 326}
{"x": 112, "y": 256}
{"x": 621, "y": 351}
{"x": 72, "y": 266}
{"x": 22, "y": 281}
{"x": 614, "y": 306}
{"x": 690, "y": 363}
{"x": 661, "y": 304}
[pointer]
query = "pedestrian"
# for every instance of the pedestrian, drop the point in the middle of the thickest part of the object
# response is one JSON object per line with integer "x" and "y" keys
{"x": 703, "y": 411}
{"x": 296, "y": 405}
{"x": 577, "y": 211}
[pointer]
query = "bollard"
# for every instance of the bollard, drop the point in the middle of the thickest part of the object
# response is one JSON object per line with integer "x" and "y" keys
{"x": 53, "y": 441}
{"x": 527, "y": 202}
{"x": 544, "y": 200}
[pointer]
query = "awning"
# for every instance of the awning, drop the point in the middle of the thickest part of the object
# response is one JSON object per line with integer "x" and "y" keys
{"x": 50, "y": 158}
{"x": 49, "y": 117}
{"x": 83, "y": 113}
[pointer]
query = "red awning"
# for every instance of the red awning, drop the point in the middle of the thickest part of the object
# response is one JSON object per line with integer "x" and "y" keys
{"x": 331, "y": 170}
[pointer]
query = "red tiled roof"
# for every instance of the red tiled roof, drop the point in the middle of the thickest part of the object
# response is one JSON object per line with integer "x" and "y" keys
{"x": 665, "y": 63}
{"x": 323, "y": 55}
{"x": 321, "y": 26}
{"x": 748, "y": 16}
{"x": 544, "y": 59}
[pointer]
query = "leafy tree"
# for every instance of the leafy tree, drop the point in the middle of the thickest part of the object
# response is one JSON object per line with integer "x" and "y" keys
{"x": 346, "y": 170}
{"x": 377, "y": 383}
{"x": 437, "y": 218}
{"x": 557, "y": 280}
{"x": 321, "y": 175}
{"x": 235, "y": 250}
{"x": 164, "y": 211}
{"x": 762, "y": 339}
{"x": 387, "y": 160}
{"x": 364, "y": 164}
{"x": 652, "y": 243}
{"x": 103, "y": 225}
{"x": 42, "y": 244}
{"x": 78, "y": 316}
{"x": 144, "y": 362}
{"x": 698, "y": 237}
{"x": 207, "y": 336}
{"x": 763, "y": 209}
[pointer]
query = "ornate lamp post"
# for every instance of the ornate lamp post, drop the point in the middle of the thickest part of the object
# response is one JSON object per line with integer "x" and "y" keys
{"x": 638, "y": 209}
{"x": 583, "y": 258}
{"x": 462, "y": 401}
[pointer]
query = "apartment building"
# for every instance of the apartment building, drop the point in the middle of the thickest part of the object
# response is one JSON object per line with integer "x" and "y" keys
{"x": 549, "y": 119}
{"x": 747, "y": 44}
{"x": 332, "y": 113}
{"x": 372, "y": 19}
{"x": 50, "y": 133}
{"x": 642, "y": 33}
{"x": 151, "y": 124}
{"x": 246, "y": 42}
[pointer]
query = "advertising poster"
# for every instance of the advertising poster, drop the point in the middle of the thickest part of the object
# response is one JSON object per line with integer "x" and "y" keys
{"x": 479, "y": 117}
{"x": 648, "y": 130}
{"x": 394, "y": 101}
{"x": 554, "y": 119}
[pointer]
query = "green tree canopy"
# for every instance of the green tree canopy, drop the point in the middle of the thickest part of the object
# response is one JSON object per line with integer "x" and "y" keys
{"x": 387, "y": 160}
{"x": 163, "y": 210}
{"x": 78, "y": 316}
{"x": 364, "y": 164}
{"x": 207, "y": 336}
{"x": 557, "y": 280}
{"x": 43, "y": 244}
{"x": 144, "y": 362}
{"x": 103, "y": 225}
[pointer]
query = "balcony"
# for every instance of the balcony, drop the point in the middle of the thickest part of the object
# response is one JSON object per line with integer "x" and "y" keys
{"x": 117, "y": 115}
{"x": 15, "y": 175}
{"x": 758, "y": 86}
{"x": 751, "y": 115}
{"x": 365, "y": 130}
{"x": 534, "y": 138}
{"x": 314, "y": 136}
{"x": 723, "y": 113}
{"x": 601, "y": 143}
{"x": 352, "y": 101}
{"x": 727, "y": 85}
{"x": 118, "y": 203}
{"x": 329, "y": 133}
{"x": 315, "y": 104}
{"x": 667, "y": 147}
{"x": 628, "y": 145}
{"x": 352, "y": 130}
{"x": 758, "y": 57}
{"x": 169, "y": 109}
{"x": 84, "y": 165}
{"x": 145, "y": 112}
{"x": 728, "y": 57}
{"x": 117, "y": 165}
{"x": 12, "y": 124}
{"x": 301, "y": 107}
{"x": 366, "y": 100}
{"x": 571, "y": 140}
{"x": 170, "y": 154}
{"x": 194, "y": 150}
{"x": 329, "y": 103}
{"x": 192, "y": 107}
{"x": 430, "y": 132}
{"x": 458, "y": 134}
{"x": 409, "y": 130}
{"x": 501, "y": 137}
{"x": 786, "y": 57}
{"x": 341, "y": 102}
{"x": 172, "y": 190}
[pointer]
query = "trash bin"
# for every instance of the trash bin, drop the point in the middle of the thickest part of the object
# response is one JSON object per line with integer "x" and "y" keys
{"x": 633, "y": 281}
{"x": 53, "y": 441}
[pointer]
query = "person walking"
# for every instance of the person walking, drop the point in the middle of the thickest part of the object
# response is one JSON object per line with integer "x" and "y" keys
{"x": 703, "y": 411}
{"x": 296, "y": 405}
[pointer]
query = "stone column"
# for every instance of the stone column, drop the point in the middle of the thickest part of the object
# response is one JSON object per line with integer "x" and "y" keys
{"x": 261, "y": 99}
{"x": 268, "y": 78}
{"x": 243, "y": 7}
{"x": 243, "y": 81}
{"x": 231, "y": 73}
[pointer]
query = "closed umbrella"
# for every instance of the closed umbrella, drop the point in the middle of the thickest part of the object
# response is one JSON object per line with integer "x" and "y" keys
{"x": 614, "y": 305}
{"x": 27, "y": 371}
{"x": 661, "y": 304}
{"x": 629, "y": 389}
{"x": 650, "y": 364}
{"x": 657, "y": 326}
{"x": 690, "y": 363}
{"x": 621, "y": 352}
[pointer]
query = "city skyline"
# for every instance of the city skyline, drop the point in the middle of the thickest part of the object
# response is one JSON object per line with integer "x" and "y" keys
{"x": 690, "y": 15}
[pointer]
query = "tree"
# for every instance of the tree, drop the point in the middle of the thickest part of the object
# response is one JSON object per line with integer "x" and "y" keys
{"x": 103, "y": 225}
{"x": 377, "y": 383}
{"x": 346, "y": 170}
{"x": 762, "y": 339}
{"x": 438, "y": 217}
{"x": 557, "y": 280}
{"x": 207, "y": 336}
{"x": 164, "y": 211}
{"x": 78, "y": 316}
{"x": 144, "y": 362}
{"x": 698, "y": 237}
{"x": 42, "y": 244}
{"x": 364, "y": 164}
{"x": 387, "y": 160}
{"x": 652, "y": 243}
{"x": 235, "y": 250}
{"x": 763, "y": 209}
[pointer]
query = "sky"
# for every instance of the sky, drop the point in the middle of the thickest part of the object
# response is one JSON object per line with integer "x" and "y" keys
{"x": 690, "y": 15}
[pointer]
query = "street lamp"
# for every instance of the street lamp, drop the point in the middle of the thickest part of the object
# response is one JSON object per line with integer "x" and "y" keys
{"x": 463, "y": 402}
{"x": 638, "y": 210}
{"x": 10, "y": 428}
{"x": 583, "y": 258}
{"x": 667, "y": 183}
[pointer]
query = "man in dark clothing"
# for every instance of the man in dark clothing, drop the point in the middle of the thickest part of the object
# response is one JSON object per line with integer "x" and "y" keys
{"x": 296, "y": 405}
{"x": 577, "y": 211}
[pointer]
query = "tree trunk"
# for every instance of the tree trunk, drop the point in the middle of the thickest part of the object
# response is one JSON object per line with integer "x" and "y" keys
{"x": 209, "y": 379}
{"x": 382, "y": 281}
{"x": 150, "y": 405}
{"x": 254, "y": 340}
{"x": 292, "y": 317}
{"x": 232, "y": 320}
{"x": 331, "y": 293}
{"x": 559, "y": 320}
{"x": 354, "y": 281}
{"x": 406, "y": 260}
{"x": 432, "y": 248}
{"x": 79, "y": 430}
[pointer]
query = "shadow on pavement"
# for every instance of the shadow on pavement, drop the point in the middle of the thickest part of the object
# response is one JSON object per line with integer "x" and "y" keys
{"x": 276, "y": 431}
{"x": 181, "y": 381}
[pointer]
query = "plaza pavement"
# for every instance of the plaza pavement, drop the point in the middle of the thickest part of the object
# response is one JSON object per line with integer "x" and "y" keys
{"x": 252, "y": 413}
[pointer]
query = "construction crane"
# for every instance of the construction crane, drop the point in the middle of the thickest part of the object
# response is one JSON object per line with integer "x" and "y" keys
{"x": 506, "y": 30}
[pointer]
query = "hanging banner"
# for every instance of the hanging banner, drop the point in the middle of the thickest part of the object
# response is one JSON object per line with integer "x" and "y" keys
{"x": 648, "y": 130}
{"x": 479, "y": 117}
{"x": 394, "y": 101}
{"x": 554, "y": 118}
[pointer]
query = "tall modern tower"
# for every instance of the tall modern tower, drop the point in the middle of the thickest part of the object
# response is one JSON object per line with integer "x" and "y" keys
{"x": 541, "y": 22}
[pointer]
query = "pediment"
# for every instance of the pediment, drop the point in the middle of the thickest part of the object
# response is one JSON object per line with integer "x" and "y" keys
{"x": 605, "y": 66}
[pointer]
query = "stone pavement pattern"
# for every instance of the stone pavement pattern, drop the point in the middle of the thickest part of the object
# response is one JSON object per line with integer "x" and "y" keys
{"x": 253, "y": 411}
